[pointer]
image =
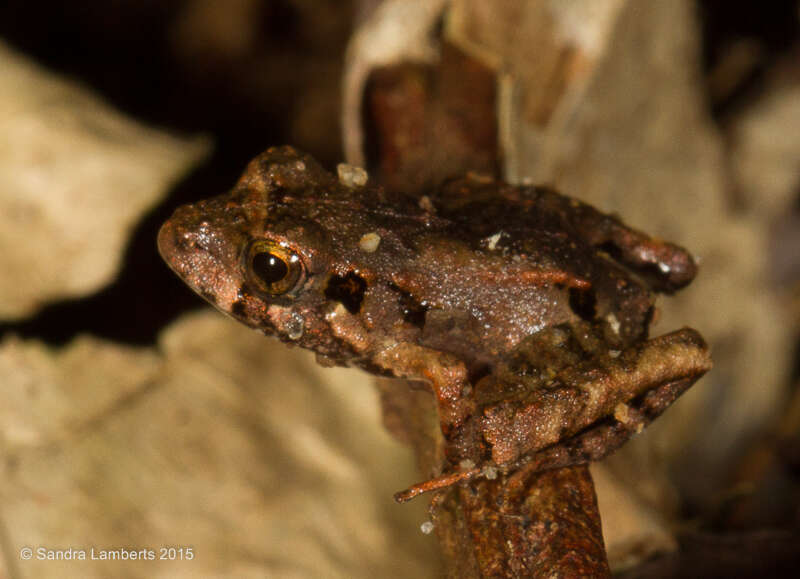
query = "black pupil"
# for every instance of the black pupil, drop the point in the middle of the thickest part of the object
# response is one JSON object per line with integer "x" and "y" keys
{"x": 269, "y": 267}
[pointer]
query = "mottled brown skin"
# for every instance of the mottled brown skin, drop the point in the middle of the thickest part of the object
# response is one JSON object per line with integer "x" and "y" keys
{"x": 526, "y": 311}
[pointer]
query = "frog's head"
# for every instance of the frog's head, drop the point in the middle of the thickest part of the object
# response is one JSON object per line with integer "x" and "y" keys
{"x": 286, "y": 252}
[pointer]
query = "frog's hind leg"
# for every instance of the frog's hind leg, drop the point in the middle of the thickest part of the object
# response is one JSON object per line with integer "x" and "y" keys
{"x": 666, "y": 266}
{"x": 623, "y": 389}
{"x": 588, "y": 411}
{"x": 593, "y": 444}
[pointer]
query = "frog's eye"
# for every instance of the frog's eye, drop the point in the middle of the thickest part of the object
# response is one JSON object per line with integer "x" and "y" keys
{"x": 273, "y": 268}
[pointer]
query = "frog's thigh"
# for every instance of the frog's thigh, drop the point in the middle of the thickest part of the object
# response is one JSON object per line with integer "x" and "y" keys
{"x": 581, "y": 396}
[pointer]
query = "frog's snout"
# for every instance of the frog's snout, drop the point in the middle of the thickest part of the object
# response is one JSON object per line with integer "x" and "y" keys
{"x": 185, "y": 235}
{"x": 166, "y": 241}
{"x": 199, "y": 245}
{"x": 175, "y": 237}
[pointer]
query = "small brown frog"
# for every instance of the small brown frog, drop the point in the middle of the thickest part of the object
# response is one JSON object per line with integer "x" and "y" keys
{"x": 525, "y": 311}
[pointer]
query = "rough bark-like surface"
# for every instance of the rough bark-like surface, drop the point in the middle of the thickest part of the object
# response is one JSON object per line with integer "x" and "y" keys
{"x": 542, "y": 524}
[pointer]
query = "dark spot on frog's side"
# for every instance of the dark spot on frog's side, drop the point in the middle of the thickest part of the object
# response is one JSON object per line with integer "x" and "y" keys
{"x": 413, "y": 310}
{"x": 347, "y": 289}
{"x": 583, "y": 302}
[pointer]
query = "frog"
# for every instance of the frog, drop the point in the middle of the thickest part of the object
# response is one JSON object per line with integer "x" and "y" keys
{"x": 524, "y": 311}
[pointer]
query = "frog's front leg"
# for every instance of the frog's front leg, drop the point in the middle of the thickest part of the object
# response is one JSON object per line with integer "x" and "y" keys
{"x": 446, "y": 374}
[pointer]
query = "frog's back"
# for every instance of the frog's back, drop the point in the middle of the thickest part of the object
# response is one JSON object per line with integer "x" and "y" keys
{"x": 514, "y": 260}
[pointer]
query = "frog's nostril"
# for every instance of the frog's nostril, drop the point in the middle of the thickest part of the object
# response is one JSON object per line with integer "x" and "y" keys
{"x": 174, "y": 240}
{"x": 178, "y": 234}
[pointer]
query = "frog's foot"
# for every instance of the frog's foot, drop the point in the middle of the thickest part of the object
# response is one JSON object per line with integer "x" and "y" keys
{"x": 440, "y": 482}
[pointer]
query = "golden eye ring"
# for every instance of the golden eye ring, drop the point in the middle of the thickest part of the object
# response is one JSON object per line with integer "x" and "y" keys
{"x": 274, "y": 268}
